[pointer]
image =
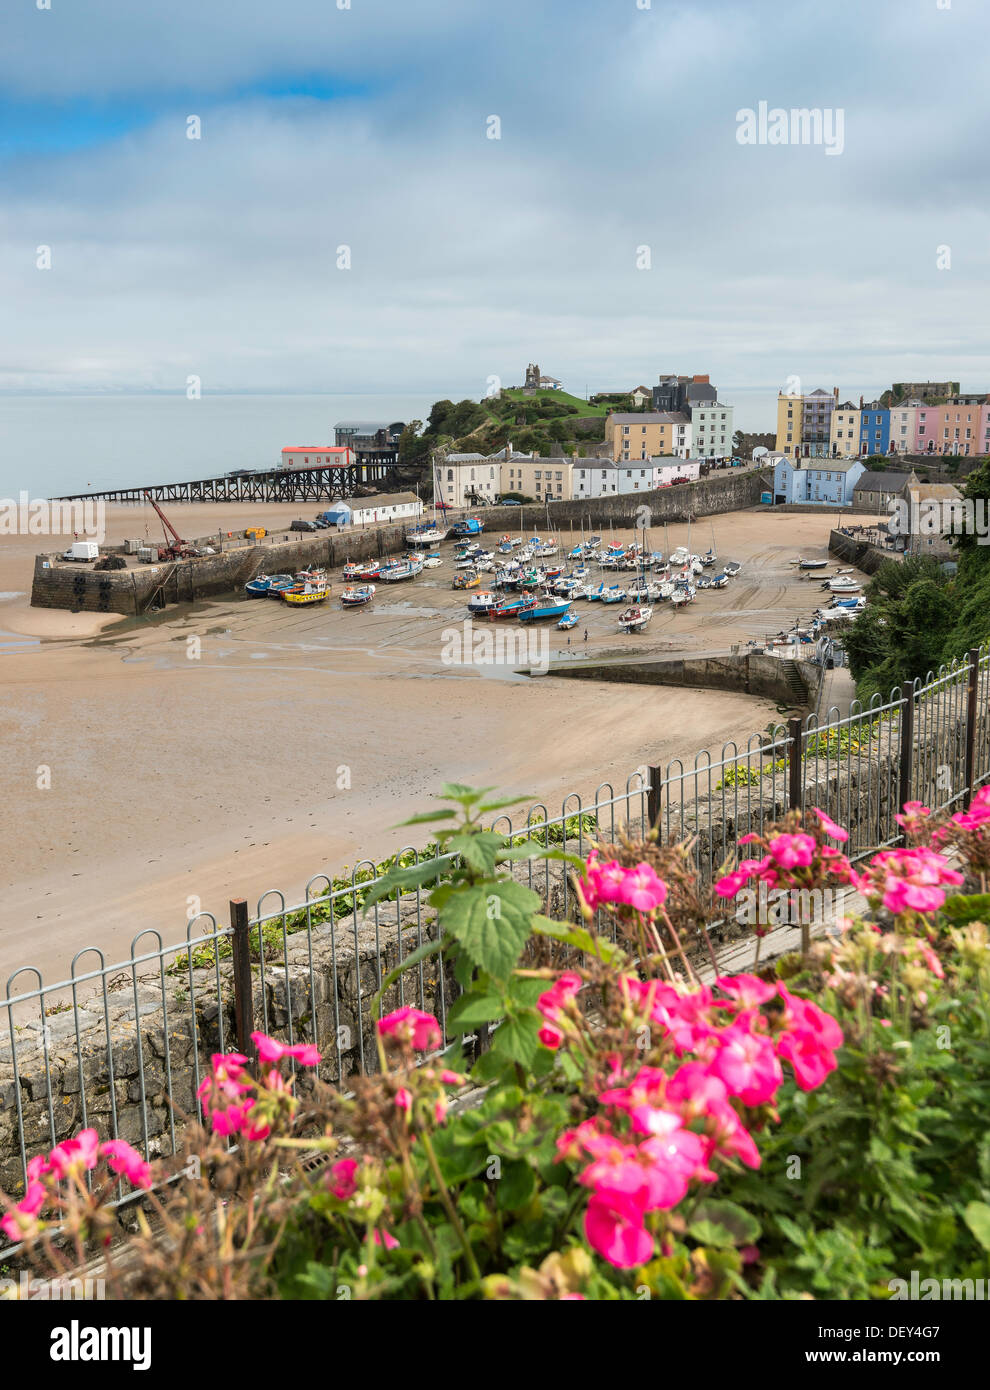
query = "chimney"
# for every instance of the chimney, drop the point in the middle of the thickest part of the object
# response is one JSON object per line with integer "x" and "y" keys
{"x": 835, "y": 394}
{"x": 861, "y": 402}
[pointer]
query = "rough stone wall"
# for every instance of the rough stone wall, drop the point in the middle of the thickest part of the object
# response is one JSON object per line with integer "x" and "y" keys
{"x": 748, "y": 673}
{"x": 862, "y": 554}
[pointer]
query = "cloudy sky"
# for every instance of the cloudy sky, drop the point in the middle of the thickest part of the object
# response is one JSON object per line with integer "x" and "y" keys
{"x": 368, "y": 127}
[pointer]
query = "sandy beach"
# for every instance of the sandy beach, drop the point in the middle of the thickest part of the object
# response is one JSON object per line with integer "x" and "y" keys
{"x": 281, "y": 744}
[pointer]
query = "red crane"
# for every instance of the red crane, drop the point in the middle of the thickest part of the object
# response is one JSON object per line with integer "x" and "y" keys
{"x": 177, "y": 549}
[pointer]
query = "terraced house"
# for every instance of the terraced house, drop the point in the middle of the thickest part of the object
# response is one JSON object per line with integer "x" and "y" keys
{"x": 643, "y": 436}
{"x": 804, "y": 423}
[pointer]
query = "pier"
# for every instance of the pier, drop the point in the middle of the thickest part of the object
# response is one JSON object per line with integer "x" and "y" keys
{"x": 325, "y": 482}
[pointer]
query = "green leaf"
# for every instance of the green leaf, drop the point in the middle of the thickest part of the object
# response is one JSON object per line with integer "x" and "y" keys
{"x": 502, "y": 802}
{"x": 472, "y": 1009}
{"x": 977, "y": 1217}
{"x": 464, "y": 796}
{"x": 492, "y": 923}
{"x": 723, "y": 1223}
{"x": 425, "y": 816}
{"x": 578, "y": 937}
{"x": 517, "y": 1038}
{"x": 415, "y": 877}
{"x": 515, "y": 1187}
{"x": 478, "y": 849}
{"x": 967, "y": 907}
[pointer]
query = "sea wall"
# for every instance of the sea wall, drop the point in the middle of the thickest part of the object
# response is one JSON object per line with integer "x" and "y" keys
{"x": 747, "y": 673}
{"x": 863, "y": 554}
{"x": 80, "y": 587}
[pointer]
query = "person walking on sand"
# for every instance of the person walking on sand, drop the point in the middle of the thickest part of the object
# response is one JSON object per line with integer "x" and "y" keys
{"x": 586, "y": 634}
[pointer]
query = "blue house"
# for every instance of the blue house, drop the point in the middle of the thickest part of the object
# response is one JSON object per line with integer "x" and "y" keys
{"x": 813, "y": 480}
{"x": 874, "y": 430}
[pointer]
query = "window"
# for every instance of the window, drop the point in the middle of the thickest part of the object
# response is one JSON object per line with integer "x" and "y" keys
{"x": 450, "y": 474}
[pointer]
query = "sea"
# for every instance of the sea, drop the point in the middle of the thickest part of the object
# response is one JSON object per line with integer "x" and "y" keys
{"x": 54, "y": 445}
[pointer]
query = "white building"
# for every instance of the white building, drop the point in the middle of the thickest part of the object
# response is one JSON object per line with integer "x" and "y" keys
{"x": 711, "y": 430}
{"x": 462, "y": 478}
{"x": 315, "y": 455}
{"x": 396, "y": 506}
{"x": 666, "y": 470}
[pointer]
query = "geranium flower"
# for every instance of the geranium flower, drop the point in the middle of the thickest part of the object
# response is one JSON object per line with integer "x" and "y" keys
{"x": 830, "y": 827}
{"x": 122, "y": 1158}
{"x": 420, "y": 1029}
{"x": 342, "y": 1178}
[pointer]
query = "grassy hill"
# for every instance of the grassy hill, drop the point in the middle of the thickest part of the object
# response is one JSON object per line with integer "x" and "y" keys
{"x": 584, "y": 408}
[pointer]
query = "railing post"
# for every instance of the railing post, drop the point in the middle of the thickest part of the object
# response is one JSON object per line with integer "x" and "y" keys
{"x": 243, "y": 988}
{"x": 907, "y": 747}
{"x": 653, "y": 797}
{"x": 795, "y": 764}
{"x": 972, "y": 694}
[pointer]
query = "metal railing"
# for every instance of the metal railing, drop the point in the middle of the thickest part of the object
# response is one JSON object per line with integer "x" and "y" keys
{"x": 123, "y": 1046}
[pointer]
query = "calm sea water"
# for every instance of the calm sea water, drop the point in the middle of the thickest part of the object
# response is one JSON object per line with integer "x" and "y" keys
{"x": 52, "y": 445}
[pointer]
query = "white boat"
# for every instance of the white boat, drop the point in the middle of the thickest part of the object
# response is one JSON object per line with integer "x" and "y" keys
{"x": 634, "y": 619}
{"x": 732, "y": 568}
{"x": 810, "y": 564}
{"x": 395, "y": 570}
{"x": 483, "y": 602}
{"x": 432, "y": 562}
{"x": 680, "y": 556}
{"x": 613, "y": 594}
{"x": 842, "y": 584}
{"x": 425, "y": 535}
{"x": 357, "y": 595}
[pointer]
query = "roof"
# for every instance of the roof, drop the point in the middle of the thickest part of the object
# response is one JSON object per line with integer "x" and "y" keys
{"x": 935, "y": 492}
{"x": 812, "y": 465}
{"x": 371, "y": 504}
{"x": 641, "y": 388}
{"x": 365, "y": 426}
{"x": 315, "y": 449}
{"x": 651, "y": 417}
{"x": 462, "y": 458}
{"x": 881, "y": 482}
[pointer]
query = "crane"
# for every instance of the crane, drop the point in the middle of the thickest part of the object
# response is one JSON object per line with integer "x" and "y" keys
{"x": 178, "y": 549}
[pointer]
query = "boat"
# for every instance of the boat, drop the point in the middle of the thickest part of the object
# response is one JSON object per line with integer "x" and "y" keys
{"x": 482, "y": 602}
{"x": 428, "y": 534}
{"x": 356, "y": 596}
{"x": 279, "y": 584}
{"x": 313, "y": 589}
{"x": 719, "y": 581}
{"x": 261, "y": 585}
{"x": 842, "y": 584}
{"x": 351, "y": 571}
{"x": 392, "y": 571}
{"x": 634, "y": 619}
{"x": 595, "y": 592}
{"x": 732, "y": 568}
{"x": 553, "y": 571}
{"x": 680, "y": 556}
{"x": 569, "y": 620}
{"x": 508, "y": 608}
{"x": 467, "y": 580}
{"x": 432, "y": 562}
{"x": 470, "y": 526}
{"x": 811, "y": 564}
{"x": 368, "y": 570}
{"x": 613, "y": 594}
{"x": 540, "y": 608}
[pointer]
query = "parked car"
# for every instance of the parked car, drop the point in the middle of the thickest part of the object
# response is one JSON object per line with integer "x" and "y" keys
{"x": 321, "y": 523}
{"x": 304, "y": 526}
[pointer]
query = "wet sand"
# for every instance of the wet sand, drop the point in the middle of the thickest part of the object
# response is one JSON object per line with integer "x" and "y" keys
{"x": 282, "y": 743}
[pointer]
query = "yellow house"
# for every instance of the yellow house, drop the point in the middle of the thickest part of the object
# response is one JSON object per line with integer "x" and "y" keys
{"x": 843, "y": 439}
{"x": 790, "y": 418}
{"x": 545, "y": 479}
{"x": 648, "y": 435}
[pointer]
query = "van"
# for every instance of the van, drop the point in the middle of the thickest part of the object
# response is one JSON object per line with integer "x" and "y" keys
{"x": 82, "y": 550}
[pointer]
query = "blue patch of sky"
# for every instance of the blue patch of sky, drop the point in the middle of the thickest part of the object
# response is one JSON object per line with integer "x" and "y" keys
{"x": 49, "y": 127}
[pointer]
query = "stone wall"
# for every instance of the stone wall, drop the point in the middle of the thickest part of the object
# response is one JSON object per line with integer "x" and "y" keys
{"x": 748, "y": 673}
{"x": 864, "y": 555}
{"x": 80, "y": 587}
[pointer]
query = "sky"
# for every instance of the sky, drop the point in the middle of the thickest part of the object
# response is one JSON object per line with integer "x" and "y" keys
{"x": 615, "y": 230}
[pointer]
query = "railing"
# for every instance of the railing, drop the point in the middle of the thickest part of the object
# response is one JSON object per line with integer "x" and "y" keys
{"x": 124, "y": 1046}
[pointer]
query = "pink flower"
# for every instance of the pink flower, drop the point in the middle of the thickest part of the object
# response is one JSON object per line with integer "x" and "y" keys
{"x": 550, "y": 1036}
{"x": 403, "y": 1099}
{"x": 269, "y": 1050}
{"x": 643, "y": 890}
{"x": 830, "y": 827}
{"x": 731, "y": 884}
{"x": 440, "y": 1109}
{"x": 560, "y": 993}
{"x": 749, "y": 990}
{"x": 122, "y": 1158}
{"x": 615, "y": 1229}
{"x": 342, "y": 1178}
{"x": 606, "y": 882}
{"x": 792, "y": 851}
{"x": 383, "y": 1237}
{"x": 412, "y": 1025}
{"x": 747, "y": 1063}
{"x": 452, "y": 1078}
{"x": 80, "y": 1152}
{"x": 933, "y": 962}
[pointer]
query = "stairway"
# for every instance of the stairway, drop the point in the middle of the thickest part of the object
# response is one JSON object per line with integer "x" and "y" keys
{"x": 795, "y": 685}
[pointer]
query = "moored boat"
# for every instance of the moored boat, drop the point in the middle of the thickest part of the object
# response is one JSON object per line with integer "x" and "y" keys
{"x": 482, "y": 602}
{"x": 538, "y": 609}
{"x": 312, "y": 587}
{"x": 356, "y": 596}
{"x": 467, "y": 579}
{"x": 634, "y": 619}
{"x": 567, "y": 621}
{"x": 392, "y": 571}
{"x": 261, "y": 585}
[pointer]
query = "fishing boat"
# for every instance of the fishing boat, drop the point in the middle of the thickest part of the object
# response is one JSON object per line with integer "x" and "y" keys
{"x": 634, "y": 619}
{"x": 368, "y": 570}
{"x": 482, "y": 602}
{"x": 540, "y": 608}
{"x": 553, "y": 571}
{"x": 356, "y": 596}
{"x": 351, "y": 571}
{"x": 567, "y": 621}
{"x": 470, "y": 526}
{"x": 811, "y": 564}
{"x": 392, "y": 571}
{"x": 313, "y": 589}
{"x": 508, "y": 608}
{"x": 467, "y": 580}
{"x": 261, "y": 585}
